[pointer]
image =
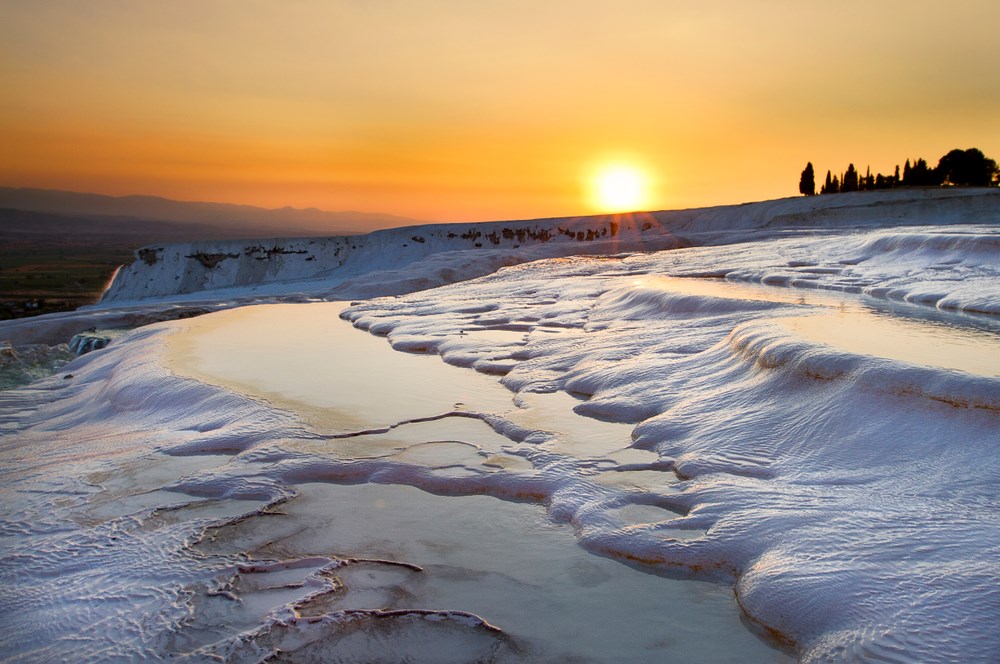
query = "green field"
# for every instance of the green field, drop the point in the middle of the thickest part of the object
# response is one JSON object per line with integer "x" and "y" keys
{"x": 43, "y": 277}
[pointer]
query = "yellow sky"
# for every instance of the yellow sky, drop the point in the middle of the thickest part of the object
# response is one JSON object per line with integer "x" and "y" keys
{"x": 468, "y": 110}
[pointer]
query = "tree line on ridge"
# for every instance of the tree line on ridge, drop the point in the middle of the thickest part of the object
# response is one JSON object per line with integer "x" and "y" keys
{"x": 957, "y": 168}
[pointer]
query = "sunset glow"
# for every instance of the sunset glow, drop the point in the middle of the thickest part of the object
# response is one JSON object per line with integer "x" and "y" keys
{"x": 476, "y": 111}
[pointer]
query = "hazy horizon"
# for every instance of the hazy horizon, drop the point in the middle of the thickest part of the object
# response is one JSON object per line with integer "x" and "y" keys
{"x": 119, "y": 197}
{"x": 372, "y": 213}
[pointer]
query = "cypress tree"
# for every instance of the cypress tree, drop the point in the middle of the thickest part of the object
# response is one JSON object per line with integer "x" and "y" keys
{"x": 807, "y": 182}
{"x": 850, "y": 181}
{"x": 921, "y": 175}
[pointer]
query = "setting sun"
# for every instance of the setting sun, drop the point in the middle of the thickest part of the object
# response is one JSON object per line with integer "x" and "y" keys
{"x": 619, "y": 188}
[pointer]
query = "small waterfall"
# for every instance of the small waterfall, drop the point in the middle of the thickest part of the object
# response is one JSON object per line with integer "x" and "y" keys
{"x": 111, "y": 281}
{"x": 87, "y": 341}
{"x": 92, "y": 339}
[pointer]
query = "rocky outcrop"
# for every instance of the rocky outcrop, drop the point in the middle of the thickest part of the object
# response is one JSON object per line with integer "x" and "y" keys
{"x": 451, "y": 252}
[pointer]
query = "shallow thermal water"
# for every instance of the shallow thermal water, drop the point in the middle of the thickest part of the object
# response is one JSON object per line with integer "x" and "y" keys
{"x": 505, "y": 562}
{"x": 342, "y": 381}
{"x": 919, "y": 342}
{"x": 577, "y": 459}
{"x": 898, "y": 331}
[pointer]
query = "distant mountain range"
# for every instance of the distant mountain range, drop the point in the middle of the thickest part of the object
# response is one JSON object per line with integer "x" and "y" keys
{"x": 137, "y": 214}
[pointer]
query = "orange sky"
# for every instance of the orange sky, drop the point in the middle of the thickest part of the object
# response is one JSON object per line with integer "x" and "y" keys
{"x": 483, "y": 110}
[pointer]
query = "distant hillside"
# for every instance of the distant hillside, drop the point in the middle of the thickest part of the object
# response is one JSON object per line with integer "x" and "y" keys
{"x": 62, "y": 229}
{"x": 247, "y": 220}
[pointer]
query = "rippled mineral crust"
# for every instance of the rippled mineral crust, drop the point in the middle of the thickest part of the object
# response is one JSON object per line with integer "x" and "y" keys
{"x": 848, "y": 489}
{"x": 719, "y": 418}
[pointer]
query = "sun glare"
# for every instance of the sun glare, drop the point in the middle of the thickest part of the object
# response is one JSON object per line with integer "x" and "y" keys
{"x": 619, "y": 188}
